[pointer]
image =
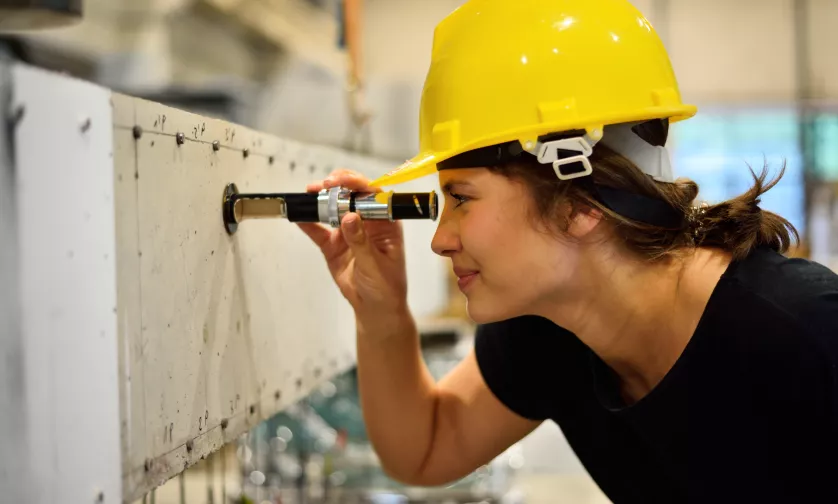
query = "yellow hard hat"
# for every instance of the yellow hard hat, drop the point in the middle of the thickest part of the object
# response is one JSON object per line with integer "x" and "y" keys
{"x": 514, "y": 71}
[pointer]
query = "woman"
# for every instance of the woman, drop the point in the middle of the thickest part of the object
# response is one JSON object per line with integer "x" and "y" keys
{"x": 685, "y": 358}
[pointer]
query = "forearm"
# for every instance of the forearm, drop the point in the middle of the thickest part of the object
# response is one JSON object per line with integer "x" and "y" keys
{"x": 397, "y": 393}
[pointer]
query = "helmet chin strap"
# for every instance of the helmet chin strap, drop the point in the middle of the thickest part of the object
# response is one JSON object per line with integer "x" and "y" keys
{"x": 571, "y": 153}
{"x": 652, "y": 160}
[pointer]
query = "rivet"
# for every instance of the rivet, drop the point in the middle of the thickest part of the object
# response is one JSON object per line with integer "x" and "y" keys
{"x": 17, "y": 115}
{"x": 252, "y": 409}
{"x": 245, "y": 152}
{"x": 277, "y": 395}
{"x": 270, "y": 160}
{"x": 180, "y": 138}
{"x": 189, "y": 445}
{"x": 224, "y": 423}
{"x": 85, "y": 124}
{"x": 137, "y": 131}
{"x": 216, "y": 145}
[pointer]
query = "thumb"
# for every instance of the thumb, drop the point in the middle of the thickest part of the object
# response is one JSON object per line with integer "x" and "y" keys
{"x": 356, "y": 237}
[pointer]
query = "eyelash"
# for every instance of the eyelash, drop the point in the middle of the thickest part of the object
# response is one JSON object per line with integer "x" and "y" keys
{"x": 460, "y": 199}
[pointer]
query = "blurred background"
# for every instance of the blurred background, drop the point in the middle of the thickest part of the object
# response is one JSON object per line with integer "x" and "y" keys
{"x": 349, "y": 73}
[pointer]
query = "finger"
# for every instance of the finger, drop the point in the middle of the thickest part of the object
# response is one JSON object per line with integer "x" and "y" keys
{"x": 338, "y": 175}
{"x": 355, "y": 235}
{"x": 333, "y": 178}
{"x": 383, "y": 229}
{"x": 343, "y": 171}
{"x": 318, "y": 234}
{"x": 350, "y": 180}
{"x": 314, "y": 187}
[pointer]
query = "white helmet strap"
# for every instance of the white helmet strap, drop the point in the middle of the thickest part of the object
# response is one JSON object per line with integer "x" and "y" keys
{"x": 567, "y": 151}
{"x": 652, "y": 160}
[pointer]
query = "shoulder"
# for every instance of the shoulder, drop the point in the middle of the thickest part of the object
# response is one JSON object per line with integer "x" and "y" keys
{"x": 801, "y": 291}
{"x": 764, "y": 267}
{"x": 523, "y": 358}
{"x": 799, "y": 287}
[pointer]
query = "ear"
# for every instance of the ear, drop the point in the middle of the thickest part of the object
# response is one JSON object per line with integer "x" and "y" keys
{"x": 583, "y": 221}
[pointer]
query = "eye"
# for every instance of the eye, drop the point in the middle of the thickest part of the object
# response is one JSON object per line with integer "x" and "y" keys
{"x": 460, "y": 199}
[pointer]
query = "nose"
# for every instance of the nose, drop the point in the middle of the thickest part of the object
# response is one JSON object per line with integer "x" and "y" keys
{"x": 446, "y": 240}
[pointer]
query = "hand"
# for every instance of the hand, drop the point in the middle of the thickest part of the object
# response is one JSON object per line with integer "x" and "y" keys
{"x": 365, "y": 258}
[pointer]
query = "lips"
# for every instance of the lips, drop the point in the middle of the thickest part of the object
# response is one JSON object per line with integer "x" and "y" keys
{"x": 461, "y": 272}
{"x": 465, "y": 277}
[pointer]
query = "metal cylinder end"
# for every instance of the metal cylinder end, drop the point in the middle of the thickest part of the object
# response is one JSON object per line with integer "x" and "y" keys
{"x": 228, "y": 208}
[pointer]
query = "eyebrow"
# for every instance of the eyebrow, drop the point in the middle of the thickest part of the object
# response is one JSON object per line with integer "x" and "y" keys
{"x": 454, "y": 182}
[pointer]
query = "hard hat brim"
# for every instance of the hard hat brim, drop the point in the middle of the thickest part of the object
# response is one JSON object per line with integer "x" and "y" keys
{"x": 426, "y": 163}
{"x": 412, "y": 169}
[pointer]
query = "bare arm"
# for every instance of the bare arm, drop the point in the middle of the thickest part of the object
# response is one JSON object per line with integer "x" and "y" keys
{"x": 428, "y": 433}
{"x": 424, "y": 433}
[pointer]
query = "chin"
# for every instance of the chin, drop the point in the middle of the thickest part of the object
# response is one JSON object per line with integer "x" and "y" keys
{"x": 486, "y": 312}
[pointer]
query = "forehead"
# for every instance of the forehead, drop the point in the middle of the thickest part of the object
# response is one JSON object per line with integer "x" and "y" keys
{"x": 463, "y": 176}
{"x": 476, "y": 178}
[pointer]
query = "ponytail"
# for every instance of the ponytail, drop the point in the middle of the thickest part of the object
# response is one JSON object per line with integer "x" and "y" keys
{"x": 739, "y": 225}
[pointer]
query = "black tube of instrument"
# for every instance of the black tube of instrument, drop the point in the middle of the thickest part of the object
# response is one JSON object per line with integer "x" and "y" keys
{"x": 328, "y": 206}
{"x": 36, "y": 15}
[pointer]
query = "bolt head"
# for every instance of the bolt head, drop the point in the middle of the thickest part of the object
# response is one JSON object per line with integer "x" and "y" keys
{"x": 216, "y": 145}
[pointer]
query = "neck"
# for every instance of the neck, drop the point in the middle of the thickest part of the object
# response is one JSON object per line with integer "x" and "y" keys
{"x": 638, "y": 317}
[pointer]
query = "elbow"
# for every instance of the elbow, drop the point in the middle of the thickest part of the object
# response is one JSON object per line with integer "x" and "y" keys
{"x": 401, "y": 476}
{"x": 423, "y": 477}
{"x": 415, "y": 479}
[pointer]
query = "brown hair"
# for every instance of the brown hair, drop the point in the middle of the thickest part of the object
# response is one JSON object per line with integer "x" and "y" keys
{"x": 737, "y": 225}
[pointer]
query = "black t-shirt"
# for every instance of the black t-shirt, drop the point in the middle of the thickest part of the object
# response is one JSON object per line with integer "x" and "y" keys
{"x": 748, "y": 413}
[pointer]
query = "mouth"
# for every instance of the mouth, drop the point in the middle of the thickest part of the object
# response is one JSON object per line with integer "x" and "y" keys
{"x": 465, "y": 277}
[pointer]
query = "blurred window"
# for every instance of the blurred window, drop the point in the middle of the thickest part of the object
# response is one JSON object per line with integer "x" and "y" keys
{"x": 825, "y": 146}
{"x": 716, "y": 147}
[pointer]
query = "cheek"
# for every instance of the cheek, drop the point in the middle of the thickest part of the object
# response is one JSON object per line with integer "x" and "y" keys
{"x": 485, "y": 239}
{"x": 506, "y": 251}
{"x": 518, "y": 279}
